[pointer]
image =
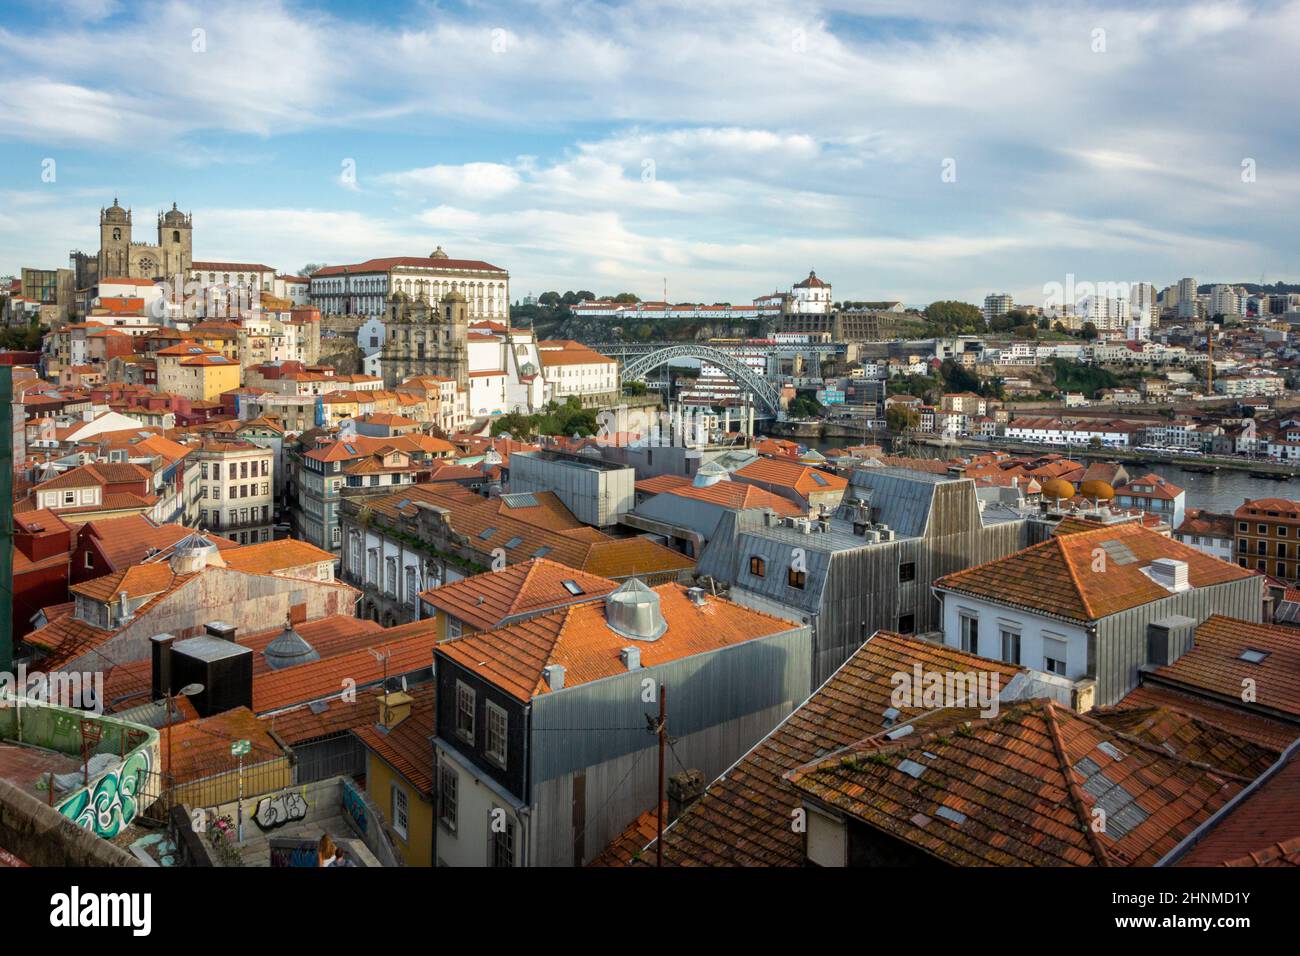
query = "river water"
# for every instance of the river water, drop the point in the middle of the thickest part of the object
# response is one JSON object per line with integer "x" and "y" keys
{"x": 1223, "y": 491}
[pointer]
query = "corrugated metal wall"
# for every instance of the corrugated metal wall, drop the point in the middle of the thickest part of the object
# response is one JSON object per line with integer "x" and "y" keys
{"x": 1120, "y": 646}
{"x": 718, "y": 704}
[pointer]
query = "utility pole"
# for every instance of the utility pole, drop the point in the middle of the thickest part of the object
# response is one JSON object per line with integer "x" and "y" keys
{"x": 659, "y": 793}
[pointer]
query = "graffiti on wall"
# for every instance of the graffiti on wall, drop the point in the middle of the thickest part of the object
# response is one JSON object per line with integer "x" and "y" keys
{"x": 110, "y": 803}
{"x": 275, "y": 811}
{"x": 285, "y": 852}
{"x": 355, "y": 807}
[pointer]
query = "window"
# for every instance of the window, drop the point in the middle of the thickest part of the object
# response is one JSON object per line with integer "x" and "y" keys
{"x": 448, "y": 782}
{"x": 1011, "y": 646}
{"x": 496, "y": 734}
{"x": 907, "y": 624}
{"x": 796, "y": 578}
{"x": 970, "y": 634}
{"x": 907, "y": 572}
{"x": 1054, "y": 655}
{"x": 90, "y": 559}
{"x": 464, "y": 712}
{"x": 400, "y": 811}
{"x": 757, "y": 566}
{"x": 503, "y": 840}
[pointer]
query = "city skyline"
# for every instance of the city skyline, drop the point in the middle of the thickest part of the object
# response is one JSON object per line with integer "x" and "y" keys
{"x": 730, "y": 148}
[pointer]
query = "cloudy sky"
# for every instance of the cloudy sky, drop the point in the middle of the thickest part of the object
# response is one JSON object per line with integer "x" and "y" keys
{"x": 905, "y": 150}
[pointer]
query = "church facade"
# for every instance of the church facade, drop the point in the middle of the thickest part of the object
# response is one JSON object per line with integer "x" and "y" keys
{"x": 423, "y": 336}
{"x": 121, "y": 257}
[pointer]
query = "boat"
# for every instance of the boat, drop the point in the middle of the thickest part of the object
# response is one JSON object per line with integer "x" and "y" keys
{"x": 1199, "y": 469}
{"x": 1271, "y": 475}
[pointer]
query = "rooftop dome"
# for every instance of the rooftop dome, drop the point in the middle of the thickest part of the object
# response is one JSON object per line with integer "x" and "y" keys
{"x": 1097, "y": 490}
{"x": 633, "y": 611}
{"x": 173, "y": 217}
{"x": 710, "y": 473}
{"x": 1058, "y": 488}
{"x": 115, "y": 213}
{"x": 438, "y": 254}
{"x": 289, "y": 649}
{"x": 194, "y": 553}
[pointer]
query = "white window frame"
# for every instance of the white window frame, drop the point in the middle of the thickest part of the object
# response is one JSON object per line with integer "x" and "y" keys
{"x": 493, "y": 711}
{"x": 401, "y": 807}
{"x": 464, "y": 692}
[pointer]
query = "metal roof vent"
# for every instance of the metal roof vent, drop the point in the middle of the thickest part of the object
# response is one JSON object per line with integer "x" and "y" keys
{"x": 633, "y": 610}
{"x": 1169, "y": 574}
{"x": 553, "y": 674}
{"x": 289, "y": 649}
{"x": 710, "y": 473}
{"x": 194, "y": 553}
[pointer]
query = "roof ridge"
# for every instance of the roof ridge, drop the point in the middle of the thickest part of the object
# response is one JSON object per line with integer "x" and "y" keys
{"x": 1072, "y": 787}
{"x": 1060, "y": 540}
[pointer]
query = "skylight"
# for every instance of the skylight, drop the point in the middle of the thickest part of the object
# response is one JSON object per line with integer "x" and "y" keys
{"x": 1253, "y": 656}
{"x": 487, "y": 533}
{"x": 572, "y": 587}
{"x": 542, "y": 552}
{"x": 514, "y": 542}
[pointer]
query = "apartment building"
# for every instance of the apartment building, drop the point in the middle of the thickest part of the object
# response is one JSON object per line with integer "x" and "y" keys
{"x": 1268, "y": 537}
{"x": 236, "y": 491}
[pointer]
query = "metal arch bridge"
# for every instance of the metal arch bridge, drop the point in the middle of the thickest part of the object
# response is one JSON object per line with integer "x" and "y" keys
{"x": 767, "y": 396}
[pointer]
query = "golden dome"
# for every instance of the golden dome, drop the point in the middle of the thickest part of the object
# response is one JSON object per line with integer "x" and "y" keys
{"x": 1058, "y": 488}
{"x": 1097, "y": 490}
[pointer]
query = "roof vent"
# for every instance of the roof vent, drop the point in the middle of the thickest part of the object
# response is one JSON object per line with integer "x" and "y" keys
{"x": 633, "y": 610}
{"x": 193, "y": 554}
{"x": 553, "y": 674}
{"x": 220, "y": 629}
{"x": 289, "y": 649}
{"x": 696, "y": 595}
{"x": 710, "y": 473}
{"x": 1169, "y": 574}
{"x": 631, "y": 658}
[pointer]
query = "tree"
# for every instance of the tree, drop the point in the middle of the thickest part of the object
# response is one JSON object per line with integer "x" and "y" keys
{"x": 311, "y": 268}
{"x": 805, "y": 406}
{"x": 549, "y": 299}
{"x": 900, "y": 418}
{"x": 626, "y": 298}
{"x": 951, "y": 317}
{"x": 1089, "y": 331}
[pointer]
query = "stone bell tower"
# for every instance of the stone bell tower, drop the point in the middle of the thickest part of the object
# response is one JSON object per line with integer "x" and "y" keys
{"x": 175, "y": 242}
{"x": 114, "y": 241}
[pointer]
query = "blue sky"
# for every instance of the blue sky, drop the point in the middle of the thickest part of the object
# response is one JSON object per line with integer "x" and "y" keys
{"x": 726, "y": 146}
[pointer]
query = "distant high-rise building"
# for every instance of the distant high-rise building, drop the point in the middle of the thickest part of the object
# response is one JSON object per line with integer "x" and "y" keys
{"x": 997, "y": 304}
{"x": 1224, "y": 301}
{"x": 1187, "y": 299}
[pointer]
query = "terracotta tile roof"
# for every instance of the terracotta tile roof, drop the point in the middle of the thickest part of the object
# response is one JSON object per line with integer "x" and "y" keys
{"x": 129, "y": 539}
{"x": 1257, "y": 728}
{"x": 629, "y": 845}
{"x": 383, "y": 265}
{"x": 408, "y": 747}
{"x": 1191, "y": 737}
{"x": 792, "y": 474}
{"x": 735, "y": 494}
{"x": 1261, "y": 829}
{"x": 268, "y": 557}
{"x": 661, "y": 483}
{"x": 743, "y": 818}
{"x": 486, "y": 601}
{"x": 1214, "y": 666}
{"x": 137, "y": 580}
{"x": 100, "y": 473}
{"x": 1020, "y": 788}
{"x": 539, "y": 520}
{"x": 1056, "y": 577}
{"x": 201, "y": 748}
{"x": 409, "y": 648}
{"x": 1196, "y": 521}
{"x": 577, "y": 637}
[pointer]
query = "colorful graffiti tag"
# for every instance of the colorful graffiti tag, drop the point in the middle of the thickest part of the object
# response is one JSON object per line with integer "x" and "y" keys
{"x": 355, "y": 807}
{"x": 110, "y": 803}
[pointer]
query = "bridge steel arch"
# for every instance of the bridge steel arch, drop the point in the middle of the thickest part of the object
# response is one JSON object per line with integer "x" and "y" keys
{"x": 765, "y": 393}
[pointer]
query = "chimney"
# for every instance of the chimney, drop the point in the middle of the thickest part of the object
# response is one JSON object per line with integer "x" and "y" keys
{"x": 1169, "y": 639}
{"x": 684, "y": 788}
{"x": 631, "y": 658}
{"x": 394, "y": 707}
{"x": 553, "y": 674}
{"x": 160, "y": 646}
{"x": 696, "y": 595}
{"x": 123, "y": 610}
{"x": 221, "y": 629}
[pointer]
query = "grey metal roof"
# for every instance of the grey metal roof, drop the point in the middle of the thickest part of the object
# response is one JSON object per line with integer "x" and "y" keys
{"x": 210, "y": 648}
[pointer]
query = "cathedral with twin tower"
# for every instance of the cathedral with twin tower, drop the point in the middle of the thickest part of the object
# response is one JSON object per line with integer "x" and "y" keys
{"x": 122, "y": 258}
